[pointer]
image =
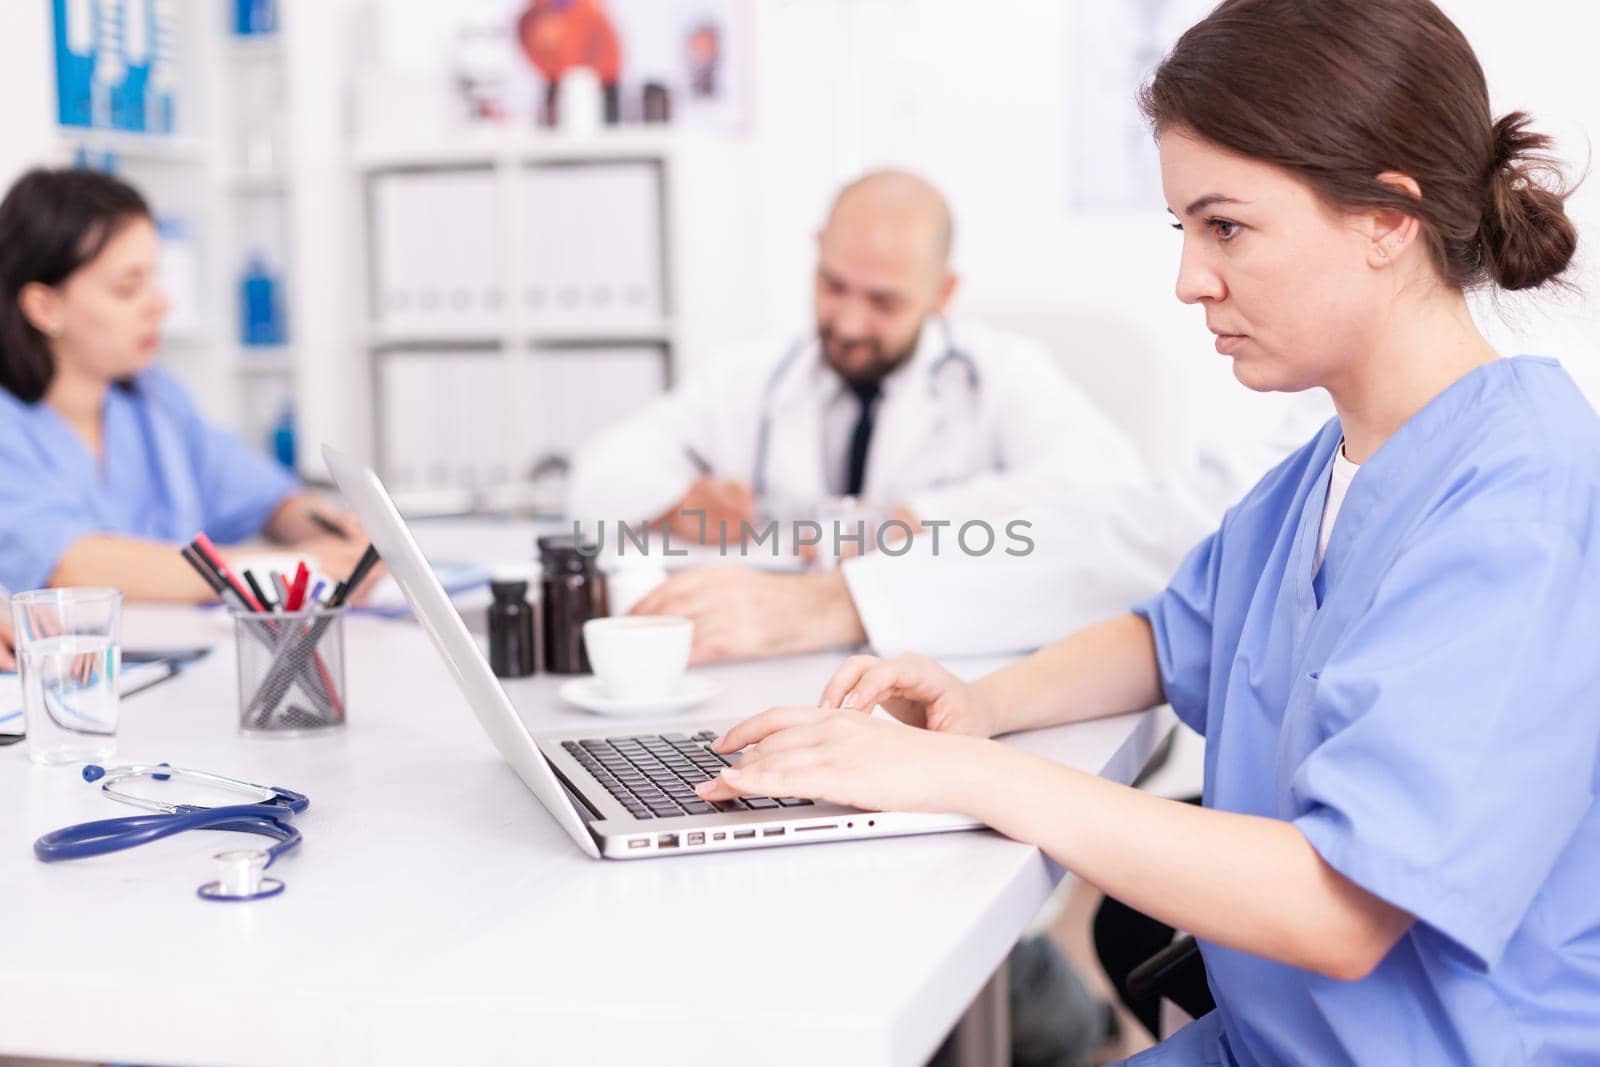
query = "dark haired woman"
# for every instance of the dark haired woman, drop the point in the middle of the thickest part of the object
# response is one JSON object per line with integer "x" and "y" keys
{"x": 105, "y": 463}
{"x": 1388, "y": 644}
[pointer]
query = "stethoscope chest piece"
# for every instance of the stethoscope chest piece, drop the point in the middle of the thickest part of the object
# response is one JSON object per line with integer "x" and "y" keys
{"x": 240, "y": 871}
{"x": 241, "y": 876}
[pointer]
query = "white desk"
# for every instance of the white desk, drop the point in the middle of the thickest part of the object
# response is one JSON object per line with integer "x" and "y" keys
{"x": 435, "y": 914}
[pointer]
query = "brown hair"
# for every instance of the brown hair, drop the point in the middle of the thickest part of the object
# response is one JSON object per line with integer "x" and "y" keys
{"x": 1339, "y": 91}
{"x": 51, "y": 223}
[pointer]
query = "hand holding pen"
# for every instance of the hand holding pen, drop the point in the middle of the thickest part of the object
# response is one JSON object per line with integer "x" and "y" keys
{"x": 333, "y": 541}
{"x": 339, "y": 550}
{"x": 713, "y": 510}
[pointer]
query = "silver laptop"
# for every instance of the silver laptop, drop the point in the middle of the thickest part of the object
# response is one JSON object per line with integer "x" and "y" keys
{"x": 619, "y": 796}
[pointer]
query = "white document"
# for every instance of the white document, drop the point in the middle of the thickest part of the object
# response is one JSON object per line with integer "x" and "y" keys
{"x": 131, "y": 679}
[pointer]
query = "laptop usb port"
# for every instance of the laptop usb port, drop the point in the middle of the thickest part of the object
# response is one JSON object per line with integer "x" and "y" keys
{"x": 718, "y": 837}
{"x": 743, "y": 835}
{"x": 638, "y": 842}
{"x": 818, "y": 826}
{"x": 696, "y": 839}
{"x": 775, "y": 831}
{"x": 667, "y": 841}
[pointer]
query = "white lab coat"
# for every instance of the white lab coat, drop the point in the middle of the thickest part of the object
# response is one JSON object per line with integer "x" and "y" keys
{"x": 1097, "y": 552}
{"x": 975, "y": 434}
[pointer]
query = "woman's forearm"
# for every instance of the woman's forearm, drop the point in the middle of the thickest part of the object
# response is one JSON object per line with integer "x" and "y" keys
{"x": 143, "y": 570}
{"x": 1250, "y": 883}
{"x": 1102, "y": 670}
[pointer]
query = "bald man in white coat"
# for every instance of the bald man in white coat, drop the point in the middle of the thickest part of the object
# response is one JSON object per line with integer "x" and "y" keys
{"x": 887, "y": 401}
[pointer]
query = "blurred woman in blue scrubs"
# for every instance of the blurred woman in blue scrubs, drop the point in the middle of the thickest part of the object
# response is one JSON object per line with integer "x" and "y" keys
{"x": 106, "y": 465}
{"x": 1389, "y": 642}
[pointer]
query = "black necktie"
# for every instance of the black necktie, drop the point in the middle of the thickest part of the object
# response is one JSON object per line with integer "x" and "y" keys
{"x": 860, "y": 437}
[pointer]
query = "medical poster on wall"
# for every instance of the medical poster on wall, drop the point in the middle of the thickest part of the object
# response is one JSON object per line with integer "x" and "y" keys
{"x": 1112, "y": 50}
{"x": 680, "y": 62}
{"x": 698, "y": 51}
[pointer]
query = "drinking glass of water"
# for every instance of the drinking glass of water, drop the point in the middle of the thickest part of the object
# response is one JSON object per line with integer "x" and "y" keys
{"x": 68, "y": 656}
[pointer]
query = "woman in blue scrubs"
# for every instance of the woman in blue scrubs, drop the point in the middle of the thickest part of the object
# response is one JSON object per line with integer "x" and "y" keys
{"x": 1388, "y": 644}
{"x": 106, "y": 465}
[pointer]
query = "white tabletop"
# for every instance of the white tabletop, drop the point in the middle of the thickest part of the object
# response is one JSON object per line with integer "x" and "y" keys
{"x": 436, "y": 914}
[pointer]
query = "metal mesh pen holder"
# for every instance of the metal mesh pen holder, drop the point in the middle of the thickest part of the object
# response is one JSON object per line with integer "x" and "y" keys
{"x": 291, "y": 671}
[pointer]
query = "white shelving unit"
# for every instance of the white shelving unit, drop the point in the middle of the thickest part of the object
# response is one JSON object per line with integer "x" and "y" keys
{"x": 320, "y": 180}
{"x": 256, "y": 186}
{"x": 198, "y": 176}
{"x": 536, "y": 349}
{"x": 142, "y": 148}
{"x": 178, "y": 174}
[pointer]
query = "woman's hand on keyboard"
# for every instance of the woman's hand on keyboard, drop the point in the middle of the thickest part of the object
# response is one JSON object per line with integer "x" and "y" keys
{"x": 840, "y": 756}
{"x": 912, "y": 688}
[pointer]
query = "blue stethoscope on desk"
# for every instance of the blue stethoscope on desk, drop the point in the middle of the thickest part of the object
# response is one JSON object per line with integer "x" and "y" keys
{"x": 952, "y": 356}
{"x": 239, "y": 872}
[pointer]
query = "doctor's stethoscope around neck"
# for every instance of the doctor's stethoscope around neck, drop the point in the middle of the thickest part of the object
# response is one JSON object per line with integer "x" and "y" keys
{"x": 953, "y": 358}
{"x": 239, "y": 871}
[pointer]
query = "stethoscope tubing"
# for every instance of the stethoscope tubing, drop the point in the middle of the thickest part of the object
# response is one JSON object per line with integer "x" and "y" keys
{"x": 113, "y": 835}
{"x": 780, "y": 373}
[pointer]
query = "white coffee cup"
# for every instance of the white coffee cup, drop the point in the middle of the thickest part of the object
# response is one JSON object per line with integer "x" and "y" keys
{"x": 638, "y": 657}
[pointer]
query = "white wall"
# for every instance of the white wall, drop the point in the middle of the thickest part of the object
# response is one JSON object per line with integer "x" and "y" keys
{"x": 979, "y": 104}
{"x": 27, "y": 48}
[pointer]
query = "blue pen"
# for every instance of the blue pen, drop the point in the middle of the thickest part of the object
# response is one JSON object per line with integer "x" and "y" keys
{"x": 316, "y": 591}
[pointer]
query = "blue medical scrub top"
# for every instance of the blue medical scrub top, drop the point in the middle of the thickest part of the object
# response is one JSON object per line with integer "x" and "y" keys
{"x": 167, "y": 473}
{"x": 1427, "y": 712}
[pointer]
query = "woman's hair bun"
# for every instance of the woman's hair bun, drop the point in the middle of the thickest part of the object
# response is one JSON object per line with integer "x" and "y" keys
{"x": 1526, "y": 238}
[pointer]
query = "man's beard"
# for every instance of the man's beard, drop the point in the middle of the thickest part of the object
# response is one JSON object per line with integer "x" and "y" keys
{"x": 880, "y": 364}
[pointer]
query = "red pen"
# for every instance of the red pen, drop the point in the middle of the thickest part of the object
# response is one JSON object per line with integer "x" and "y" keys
{"x": 297, "y": 588}
{"x": 204, "y": 546}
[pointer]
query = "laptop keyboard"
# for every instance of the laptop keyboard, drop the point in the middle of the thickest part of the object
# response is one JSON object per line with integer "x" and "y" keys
{"x": 653, "y": 775}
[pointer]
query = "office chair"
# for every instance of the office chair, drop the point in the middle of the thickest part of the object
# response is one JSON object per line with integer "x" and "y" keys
{"x": 1176, "y": 973}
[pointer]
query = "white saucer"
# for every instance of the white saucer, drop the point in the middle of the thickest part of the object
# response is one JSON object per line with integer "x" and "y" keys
{"x": 588, "y": 694}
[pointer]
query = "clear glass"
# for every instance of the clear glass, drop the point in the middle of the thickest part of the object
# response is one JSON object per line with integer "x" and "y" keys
{"x": 68, "y": 655}
{"x": 291, "y": 671}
